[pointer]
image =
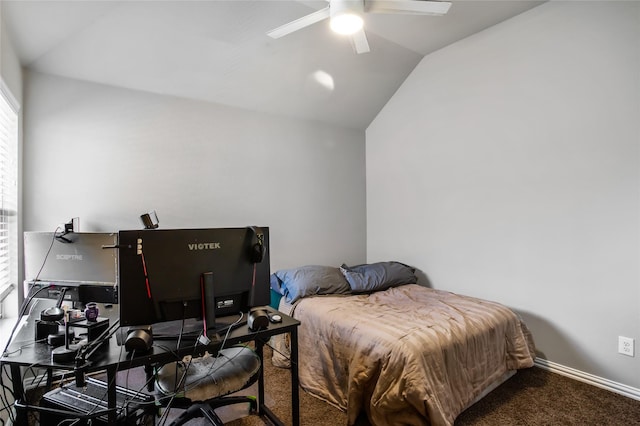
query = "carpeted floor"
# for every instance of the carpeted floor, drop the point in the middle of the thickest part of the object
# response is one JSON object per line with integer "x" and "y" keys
{"x": 532, "y": 397}
{"x": 538, "y": 397}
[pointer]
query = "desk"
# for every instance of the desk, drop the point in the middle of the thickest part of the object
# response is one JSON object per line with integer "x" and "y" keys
{"x": 112, "y": 358}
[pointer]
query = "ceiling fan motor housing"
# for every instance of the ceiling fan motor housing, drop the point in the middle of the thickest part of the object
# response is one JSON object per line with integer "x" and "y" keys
{"x": 340, "y": 7}
{"x": 346, "y": 16}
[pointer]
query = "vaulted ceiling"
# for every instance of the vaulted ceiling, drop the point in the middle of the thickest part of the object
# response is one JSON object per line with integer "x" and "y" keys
{"x": 218, "y": 51}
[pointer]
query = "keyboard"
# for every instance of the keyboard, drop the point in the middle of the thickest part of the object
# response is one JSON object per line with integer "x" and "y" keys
{"x": 93, "y": 398}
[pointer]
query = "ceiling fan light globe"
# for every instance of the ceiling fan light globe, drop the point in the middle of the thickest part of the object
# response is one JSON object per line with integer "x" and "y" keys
{"x": 346, "y": 23}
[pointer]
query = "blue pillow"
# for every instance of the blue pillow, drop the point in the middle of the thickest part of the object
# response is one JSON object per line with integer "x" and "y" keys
{"x": 378, "y": 276}
{"x": 309, "y": 280}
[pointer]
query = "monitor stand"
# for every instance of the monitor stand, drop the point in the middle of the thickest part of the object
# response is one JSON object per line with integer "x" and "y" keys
{"x": 188, "y": 327}
{"x": 192, "y": 328}
{"x": 140, "y": 338}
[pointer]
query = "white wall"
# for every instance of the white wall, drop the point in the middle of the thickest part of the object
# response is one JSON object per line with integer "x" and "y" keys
{"x": 507, "y": 167}
{"x": 107, "y": 155}
{"x": 10, "y": 68}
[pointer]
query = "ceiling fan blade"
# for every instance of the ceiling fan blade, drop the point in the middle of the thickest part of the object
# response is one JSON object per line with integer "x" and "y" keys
{"x": 300, "y": 23}
{"x": 359, "y": 42}
{"x": 410, "y": 7}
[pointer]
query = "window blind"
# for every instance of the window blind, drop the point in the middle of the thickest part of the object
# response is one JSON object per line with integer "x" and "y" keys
{"x": 8, "y": 190}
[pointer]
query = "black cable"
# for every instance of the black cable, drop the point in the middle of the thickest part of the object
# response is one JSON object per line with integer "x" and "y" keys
{"x": 222, "y": 345}
{"x": 174, "y": 394}
{"x": 47, "y": 255}
{"x": 177, "y": 383}
{"x": 35, "y": 376}
{"x": 109, "y": 384}
{"x": 6, "y": 406}
{"x": 76, "y": 416}
{"x": 211, "y": 367}
{"x": 9, "y": 354}
{"x": 175, "y": 379}
{"x": 125, "y": 404}
{"x": 30, "y": 367}
{"x": 28, "y": 300}
{"x": 93, "y": 413}
{"x": 14, "y": 396}
{"x": 23, "y": 308}
{"x": 285, "y": 356}
{"x": 5, "y": 400}
{"x": 90, "y": 348}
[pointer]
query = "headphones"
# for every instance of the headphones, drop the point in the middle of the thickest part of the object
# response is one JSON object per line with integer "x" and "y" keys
{"x": 257, "y": 249}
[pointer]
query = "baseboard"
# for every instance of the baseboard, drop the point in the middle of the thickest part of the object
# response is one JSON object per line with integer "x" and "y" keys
{"x": 590, "y": 379}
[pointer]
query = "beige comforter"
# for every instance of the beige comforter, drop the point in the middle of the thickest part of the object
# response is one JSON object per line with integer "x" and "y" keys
{"x": 409, "y": 355}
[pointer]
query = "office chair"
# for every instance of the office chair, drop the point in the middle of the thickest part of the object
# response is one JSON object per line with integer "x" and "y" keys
{"x": 200, "y": 386}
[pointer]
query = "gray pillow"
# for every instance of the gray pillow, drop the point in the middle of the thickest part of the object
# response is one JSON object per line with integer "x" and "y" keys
{"x": 378, "y": 276}
{"x": 309, "y": 280}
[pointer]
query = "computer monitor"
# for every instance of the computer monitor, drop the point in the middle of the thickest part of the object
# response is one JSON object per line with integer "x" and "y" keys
{"x": 87, "y": 257}
{"x": 85, "y": 262}
{"x": 163, "y": 273}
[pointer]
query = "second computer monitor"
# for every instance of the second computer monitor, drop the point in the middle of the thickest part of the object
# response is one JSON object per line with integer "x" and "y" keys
{"x": 162, "y": 272}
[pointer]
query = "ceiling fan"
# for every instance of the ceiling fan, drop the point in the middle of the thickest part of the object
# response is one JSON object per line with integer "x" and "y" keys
{"x": 346, "y": 16}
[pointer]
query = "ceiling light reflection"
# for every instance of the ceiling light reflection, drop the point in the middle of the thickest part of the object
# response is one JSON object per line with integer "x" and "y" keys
{"x": 324, "y": 79}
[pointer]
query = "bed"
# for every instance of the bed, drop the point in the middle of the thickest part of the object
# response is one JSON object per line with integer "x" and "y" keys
{"x": 403, "y": 353}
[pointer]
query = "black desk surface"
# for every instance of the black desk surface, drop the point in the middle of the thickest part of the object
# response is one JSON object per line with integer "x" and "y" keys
{"x": 24, "y": 351}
